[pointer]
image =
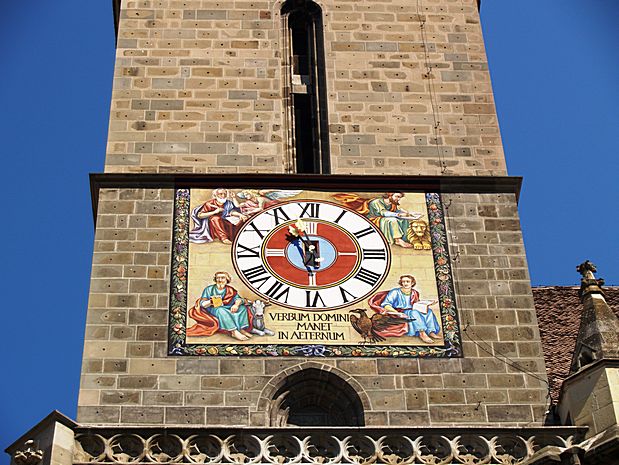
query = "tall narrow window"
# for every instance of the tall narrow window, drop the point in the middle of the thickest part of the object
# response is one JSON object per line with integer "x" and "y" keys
{"x": 305, "y": 90}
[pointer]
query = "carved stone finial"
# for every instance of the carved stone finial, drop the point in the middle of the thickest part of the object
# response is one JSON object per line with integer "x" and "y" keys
{"x": 588, "y": 282}
{"x": 29, "y": 455}
{"x": 586, "y": 269}
{"x": 598, "y": 334}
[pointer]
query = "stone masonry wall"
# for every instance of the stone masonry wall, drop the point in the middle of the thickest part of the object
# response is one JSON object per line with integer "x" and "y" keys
{"x": 128, "y": 378}
{"x": 198, "y": 88}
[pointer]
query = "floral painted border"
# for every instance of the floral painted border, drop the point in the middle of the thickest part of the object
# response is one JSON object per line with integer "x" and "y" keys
{"x": 444, "y": 280}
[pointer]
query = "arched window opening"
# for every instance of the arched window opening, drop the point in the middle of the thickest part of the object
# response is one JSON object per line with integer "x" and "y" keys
{"x": 305, "y": 90}
{"x": 314, "y": 397}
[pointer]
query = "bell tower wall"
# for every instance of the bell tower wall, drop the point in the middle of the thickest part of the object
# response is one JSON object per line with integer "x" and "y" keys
{"x": 204, "y": 87}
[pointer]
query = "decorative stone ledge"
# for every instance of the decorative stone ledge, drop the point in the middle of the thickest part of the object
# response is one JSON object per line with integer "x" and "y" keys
{"x": 360, "y": 446}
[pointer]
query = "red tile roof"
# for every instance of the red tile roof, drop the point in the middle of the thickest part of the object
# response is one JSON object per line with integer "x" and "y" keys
{"x": 558, "y": 311}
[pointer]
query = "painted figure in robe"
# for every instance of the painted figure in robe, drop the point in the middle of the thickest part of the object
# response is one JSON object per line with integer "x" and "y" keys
{"x": 218, "y": 218}
{"x": 404, "y": 299}
{"x": 221, "y": 309}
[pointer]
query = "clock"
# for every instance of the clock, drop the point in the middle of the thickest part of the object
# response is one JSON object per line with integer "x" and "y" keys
{"x": 338, "y": 258}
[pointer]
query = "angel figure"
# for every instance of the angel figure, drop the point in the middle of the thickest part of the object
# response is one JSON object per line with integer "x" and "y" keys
{"x": 254, "y": 200}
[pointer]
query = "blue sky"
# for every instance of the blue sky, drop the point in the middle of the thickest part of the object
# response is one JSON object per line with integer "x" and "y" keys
{"x": 555, "y": 74}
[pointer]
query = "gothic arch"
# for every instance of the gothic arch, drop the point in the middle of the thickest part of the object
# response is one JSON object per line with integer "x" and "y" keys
{"x": 313, "y": 394}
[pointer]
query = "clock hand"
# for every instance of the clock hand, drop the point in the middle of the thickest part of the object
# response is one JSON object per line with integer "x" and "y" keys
{"x": 310, "y": 254}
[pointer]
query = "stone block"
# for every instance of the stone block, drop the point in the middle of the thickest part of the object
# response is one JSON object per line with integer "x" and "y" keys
{"x": 152, "y": 366}
{"x": 512, "y": 381}
{"x": 152, "y": 333}
{"x": 140, "y": 349}
{"x": 358, "y": 367}
{"x": 400, "y": 366}
{"x": 509, "y": 413}
{"x": 434, "y": 366}
{"x": 416, "y": 399}
{"x": 122, "y": 333}
{"x": 241, "y": 366}
{"x": 96, "y": 381}
{"x": 238, "y": 416}
{"x": 519, "y": 333}
{"x": 137, "y": 382}
{"x": 200, "y": 366}
{"x": 120, "y": 397}
{"x": 457, "y": 414}
{"x": 486, "y": 396}
{"x": 163, "y": 397}
{"x": 422, "y": 381}
{"x": 204, "y": 398}
{"x": 409, "y": 419}
{"x": 376, "y": 382}
{"x": 226, "y": 383}
{"x": 387, "y": 400}
{"x": 240, "y": 398}
{"x": 527, "y": 396}
{"x": 148, "y": 317}
{"x": 184, "y": 415}
{"x": 104, "y": 349}
{"x": 483, "y": 365}
{"x": 98, "y": 414}
{"x": 97, "y": 332}
{"x": 458, "y": 380}
{"x": 446, "y": 396}
{"x": 255, "y": 383}
{"x": 376, "y": 418}
{"x": 272, "y": 367}
{"x": 93, "y": 366}
{"x": 179, "y": 382}
{"x": 142, "y": 415}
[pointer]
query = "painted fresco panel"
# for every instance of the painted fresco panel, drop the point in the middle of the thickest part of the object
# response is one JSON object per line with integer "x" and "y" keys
{"x": 302, "y": 272}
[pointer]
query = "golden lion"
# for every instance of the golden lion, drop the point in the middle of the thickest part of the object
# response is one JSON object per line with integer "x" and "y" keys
{"x": 418, "y": 234}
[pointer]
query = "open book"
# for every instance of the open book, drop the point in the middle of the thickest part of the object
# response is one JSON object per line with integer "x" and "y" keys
{"x": 233, "y": 219}
{"x": 423, "y": 306}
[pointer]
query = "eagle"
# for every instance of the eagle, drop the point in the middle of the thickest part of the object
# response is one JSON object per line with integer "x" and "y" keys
{"x": 369, "y": 327}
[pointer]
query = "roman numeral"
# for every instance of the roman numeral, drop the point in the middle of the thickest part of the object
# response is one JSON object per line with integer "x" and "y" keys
{"x": 374, "y": 254}
{"x": 247, "y": 252}
{"x": 367, "y": 276}
{"x": 276, "y": 292}
{"x": 345, "y": 293}
{"x": 312, "y": 301}
{"x": 276, "y": 212}
{"x": 364, "y": 232}
{"x": 311, "y": 227}
{"x": 310, "y": 210}
{"x": 337, "y": 220}
{"x": 257, "y": 274}
{"x": 257, "y": 231}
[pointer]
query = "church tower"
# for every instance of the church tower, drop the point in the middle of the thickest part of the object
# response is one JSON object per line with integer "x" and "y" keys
{"x": 318, "y": 100}
{"x": 305, "y": 221}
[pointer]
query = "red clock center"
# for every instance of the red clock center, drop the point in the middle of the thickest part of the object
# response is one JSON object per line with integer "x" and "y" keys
{"x": 339, "y": 252}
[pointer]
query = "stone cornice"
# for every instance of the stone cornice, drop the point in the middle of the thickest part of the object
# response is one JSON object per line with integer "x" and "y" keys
{"x": 370, "y": 183}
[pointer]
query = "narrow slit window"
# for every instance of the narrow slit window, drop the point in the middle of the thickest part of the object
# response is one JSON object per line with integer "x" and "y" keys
{"x": 305, "y": 96}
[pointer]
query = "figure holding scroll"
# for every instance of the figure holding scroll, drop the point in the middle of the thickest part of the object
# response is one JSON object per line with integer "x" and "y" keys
{"x": 404, "y": 300}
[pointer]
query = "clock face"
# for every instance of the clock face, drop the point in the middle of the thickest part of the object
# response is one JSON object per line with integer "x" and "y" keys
{"x": 275, "y": 272}
{"x": 338, "y": 259}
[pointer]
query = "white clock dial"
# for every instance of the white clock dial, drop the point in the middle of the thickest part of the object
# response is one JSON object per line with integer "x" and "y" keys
{"x": 353, "y": 258}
